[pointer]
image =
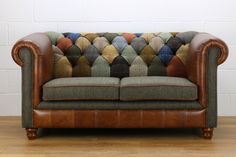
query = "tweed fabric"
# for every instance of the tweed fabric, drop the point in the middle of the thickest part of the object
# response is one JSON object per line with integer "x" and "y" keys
{"x": 114, "y": 105}
{"x": 157, "y": 88}
{"x": 120, "y": 54}
{"x": 27, "y": 81}
{"x": 211, "y": 114}
{"x": 85, "y": 88}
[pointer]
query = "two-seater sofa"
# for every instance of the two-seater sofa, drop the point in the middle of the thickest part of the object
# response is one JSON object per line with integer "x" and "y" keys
{"x": 119, "y": 80}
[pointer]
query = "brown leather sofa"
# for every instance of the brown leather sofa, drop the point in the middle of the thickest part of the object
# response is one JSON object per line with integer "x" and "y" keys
{"x": 119, "y": 80}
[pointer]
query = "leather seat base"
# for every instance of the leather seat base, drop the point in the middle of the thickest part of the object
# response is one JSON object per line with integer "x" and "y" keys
{"x": 119, "y": 118}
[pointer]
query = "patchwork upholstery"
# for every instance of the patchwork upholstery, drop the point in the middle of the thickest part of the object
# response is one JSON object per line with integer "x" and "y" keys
{"x": 85, "y": 88}
{"x": 157, "y": 88}
{"x": 120, "y": 54}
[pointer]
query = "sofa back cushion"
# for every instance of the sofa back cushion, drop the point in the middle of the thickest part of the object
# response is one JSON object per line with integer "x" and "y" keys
{"x": 120, "y": 54}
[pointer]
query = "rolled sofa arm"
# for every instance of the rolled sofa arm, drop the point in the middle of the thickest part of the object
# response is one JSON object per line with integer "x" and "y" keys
{"x": 199, "y": 59}
{"x": 40, "y": 48}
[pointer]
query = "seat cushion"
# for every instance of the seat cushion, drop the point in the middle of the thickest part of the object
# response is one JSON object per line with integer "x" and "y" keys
{"x": 82, "y": 88}
{"x": 157, "y": 88}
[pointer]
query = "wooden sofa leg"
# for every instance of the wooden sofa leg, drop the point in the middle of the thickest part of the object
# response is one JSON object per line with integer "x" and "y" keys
{"x": 207, "y": 133}
{"x": 31, "y": 133}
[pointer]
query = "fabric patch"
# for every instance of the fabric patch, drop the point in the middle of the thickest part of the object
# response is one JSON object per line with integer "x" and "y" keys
{"x": 165, "y": 36}
{"x": 119, "y": 67}
{"x": 62, "y": 68}
{"x": 186, "y": 37}
{"x": 157, "y": 68}
{"x": 91, "y": 53}
{"x": 147, "y": 54}
{"x": 82, "y": 68}
{"x": 176, "y": 68}
{"x": 165, "y": 54}
{"x": 54, "y": 37}
{"x": 147, "y": 36}
{"x": 64, "y": 44}
{"x": 100, "y": 68}
{"x": 100, "y": 43}
{"x": 91, "y": 36}
{"x": 182, "y": 53}
{"x": 138, "y": 44}
{"x": 56, "y": 50}
{"x": 138, "y": 67}
{"x": 110, "y": 53}
{"x": 129, "y": 54}
{"x": 72, "y": 54}
{"x": 174, "y": 43}
{"x": 129, "y": 37}
{"x": 73, "y": 36}
{"x": 82, "y": 43}
{"x": 138, "y": 34}
{"x": 120, "y": 43}
{"x": 110, "y": 36}
{"x": 156, "y": 43}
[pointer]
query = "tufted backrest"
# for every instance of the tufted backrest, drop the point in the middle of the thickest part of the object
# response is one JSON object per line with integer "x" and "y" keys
{"x": 120, "y": 54}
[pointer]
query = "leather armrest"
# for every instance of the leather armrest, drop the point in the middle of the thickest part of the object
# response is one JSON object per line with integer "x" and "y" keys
{"x": 40, "y": 47}
{"x": 198, "y": 59}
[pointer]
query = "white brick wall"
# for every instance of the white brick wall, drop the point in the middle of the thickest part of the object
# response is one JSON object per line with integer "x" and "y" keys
{"x": 19, "y": 18}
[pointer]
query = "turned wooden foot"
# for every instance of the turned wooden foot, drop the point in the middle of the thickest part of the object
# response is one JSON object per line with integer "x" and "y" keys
{"x": 207, "y": 133}
{"x": 31, "y": 133}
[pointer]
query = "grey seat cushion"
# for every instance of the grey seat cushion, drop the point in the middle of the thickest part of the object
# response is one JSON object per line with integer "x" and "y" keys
{"x": 82, "y": 88}
{"x": 157, "y": 88}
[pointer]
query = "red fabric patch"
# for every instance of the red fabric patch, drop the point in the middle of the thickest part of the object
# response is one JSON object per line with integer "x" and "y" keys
{"x": 176, "y": 68}
{"x": 64, "y": 44}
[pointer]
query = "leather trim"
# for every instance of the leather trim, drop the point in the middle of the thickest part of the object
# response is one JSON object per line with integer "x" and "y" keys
{"x": 119, "y": 118}
{"x": 197, "y": 60}
{"x": 41, "y": 48}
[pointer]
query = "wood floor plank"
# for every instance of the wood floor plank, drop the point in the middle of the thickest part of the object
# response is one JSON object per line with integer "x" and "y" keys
{"x": 114, "y": 143}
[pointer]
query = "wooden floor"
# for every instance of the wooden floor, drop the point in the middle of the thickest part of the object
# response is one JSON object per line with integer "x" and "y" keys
{"x": 117, "y": 143}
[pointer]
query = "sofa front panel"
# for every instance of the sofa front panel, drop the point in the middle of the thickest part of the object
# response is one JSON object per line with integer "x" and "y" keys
{"x": 119, "y": 118}
{"x": 120, "y": 54}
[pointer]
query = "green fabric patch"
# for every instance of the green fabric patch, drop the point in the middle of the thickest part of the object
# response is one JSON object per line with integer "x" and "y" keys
{"x": 157, "y": 68}
{"x": 54, "y": 37}
{"x": 100, "y": 68}
{"x": 129, "y": 54}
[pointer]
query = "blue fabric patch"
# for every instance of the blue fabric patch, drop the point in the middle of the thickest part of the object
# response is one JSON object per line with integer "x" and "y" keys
{"x": 165, "y": 54}
{"x": 138, "y": 34}
{"x": 73, "y": 36}
{"x": 119, "y": 42}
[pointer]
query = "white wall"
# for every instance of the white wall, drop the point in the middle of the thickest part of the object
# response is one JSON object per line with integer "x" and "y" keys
{"x": 19, "y": 18}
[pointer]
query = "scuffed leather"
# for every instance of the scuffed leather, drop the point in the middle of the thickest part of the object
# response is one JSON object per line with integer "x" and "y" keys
{"x": 41, "y": 48}
{"x": 119, "y": 118}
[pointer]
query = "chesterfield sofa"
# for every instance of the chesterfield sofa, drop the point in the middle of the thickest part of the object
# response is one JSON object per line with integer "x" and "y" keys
{"x": 119, "y": 80}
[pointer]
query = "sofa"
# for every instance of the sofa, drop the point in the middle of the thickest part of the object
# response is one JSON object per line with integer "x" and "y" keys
{"x": 119, "y": 80}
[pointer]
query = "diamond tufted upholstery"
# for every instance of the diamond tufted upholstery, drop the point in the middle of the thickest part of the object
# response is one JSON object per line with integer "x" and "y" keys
{"x": 89, "y": 80}
{"x": 120, "y": 54}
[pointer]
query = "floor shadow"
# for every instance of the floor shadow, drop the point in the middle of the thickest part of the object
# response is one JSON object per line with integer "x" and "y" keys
{"x": 75, "y": 132}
